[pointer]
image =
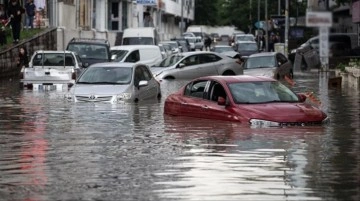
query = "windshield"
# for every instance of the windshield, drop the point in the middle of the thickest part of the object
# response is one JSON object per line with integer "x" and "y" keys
{"x": 138, "y": 41}
{"x": 106, "y": 75}
{"x": 170, "y": 61}
{"x": 258, "y": 62}
{"x": 120, "y": 54}
{"x": 245, "y": 38}
{"x": 90, "y": 51}
{"x": 223, "y": 49}
{"x": 261, "y": 92}
{"x": 247, "y": 46}
{"x": 53, "y": 59}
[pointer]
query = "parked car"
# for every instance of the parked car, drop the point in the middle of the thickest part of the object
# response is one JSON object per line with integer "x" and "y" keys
{"x": 183, "y": 43}
{"x": 246, "y": 48}
{"x": 215, "y": 37}
{"x": 140, "y": 36}
{"x": 48, "y": 67}
{"x": 226, "y": 50}
{"x": 255, "y": 100}
{"x": 195, "y": 43}
{"x": 340, "y": 44}
{"x": 189, "y": 65}
{"x": 271, "y": 64}
{"x": 164, "y": 51}
{"x": 90, "y": 50}
{"x": 145, "y": 54}
{"x": 115, "y": 82}
{"x": 174, "y": 46}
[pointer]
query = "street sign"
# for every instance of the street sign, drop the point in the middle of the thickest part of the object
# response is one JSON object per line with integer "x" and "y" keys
{"x": 147, "y": 2}
{"x": 318, "y": 19}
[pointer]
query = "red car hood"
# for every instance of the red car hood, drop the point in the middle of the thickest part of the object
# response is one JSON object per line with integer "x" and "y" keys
{"x": 283, "y": 112}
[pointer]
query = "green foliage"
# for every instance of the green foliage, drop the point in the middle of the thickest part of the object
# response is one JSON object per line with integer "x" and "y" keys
{"x": 341, "y": 66}
{"x": 206, "y": 12}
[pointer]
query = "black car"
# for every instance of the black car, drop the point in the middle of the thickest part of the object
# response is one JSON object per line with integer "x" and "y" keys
{"x": 90, "y": 50}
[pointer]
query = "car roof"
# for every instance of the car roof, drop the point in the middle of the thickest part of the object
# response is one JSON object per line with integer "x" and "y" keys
{"x": 54, "y": 51}
{"x": 90, "y": 41}
{"x": 196, "y": 53}
{"x": 116, "y": 64}
{"x": 133, "y": 47}
{"x": 263, "y": 54}
{"x": 237, "y": 78}
{"x": 243, "y": 41}
{"x": 222, "y": 46}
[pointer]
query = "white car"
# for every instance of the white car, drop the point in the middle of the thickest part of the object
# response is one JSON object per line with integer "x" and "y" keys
{"x": 145, "y": 54}
{"x": 115, "y": 82}
{"x": 51, "y": 68}
{"x": 190, "y": 65}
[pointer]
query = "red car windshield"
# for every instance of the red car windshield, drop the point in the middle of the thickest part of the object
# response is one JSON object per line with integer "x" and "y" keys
{"x": 261, "y": 92}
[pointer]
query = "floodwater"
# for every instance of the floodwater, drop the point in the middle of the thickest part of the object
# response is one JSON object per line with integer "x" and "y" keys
{"x": 51, "y": 149}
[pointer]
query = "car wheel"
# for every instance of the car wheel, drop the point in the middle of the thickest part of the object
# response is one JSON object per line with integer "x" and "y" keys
{"x": 228, "y": 72}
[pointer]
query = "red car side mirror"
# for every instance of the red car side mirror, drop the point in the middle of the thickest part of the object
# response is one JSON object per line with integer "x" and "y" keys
{"x": 221, "y": 101}
{"x": 302, "y": 97}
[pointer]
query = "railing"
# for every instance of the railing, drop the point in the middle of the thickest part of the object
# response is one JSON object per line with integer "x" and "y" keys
{"x": 46, "y": 40}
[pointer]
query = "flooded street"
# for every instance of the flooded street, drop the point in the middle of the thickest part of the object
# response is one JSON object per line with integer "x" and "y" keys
{"x": 51, "y": 149}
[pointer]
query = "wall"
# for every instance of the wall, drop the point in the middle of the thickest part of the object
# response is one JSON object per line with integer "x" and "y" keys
{"x": 44, "y": 41}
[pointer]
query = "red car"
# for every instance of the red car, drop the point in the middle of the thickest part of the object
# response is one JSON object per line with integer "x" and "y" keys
{"x": 256, "y": 100}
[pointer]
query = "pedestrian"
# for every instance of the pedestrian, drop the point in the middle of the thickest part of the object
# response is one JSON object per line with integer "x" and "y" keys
{"x": 15, "y": 12}
{"x": 23, "y": 59}
{"x": 3, "y": 23}
{"x": 30, "y": 13}
{"x": 207, "y": 43}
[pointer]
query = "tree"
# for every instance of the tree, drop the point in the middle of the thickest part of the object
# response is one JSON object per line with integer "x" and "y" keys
{"x": 206, "y": 12}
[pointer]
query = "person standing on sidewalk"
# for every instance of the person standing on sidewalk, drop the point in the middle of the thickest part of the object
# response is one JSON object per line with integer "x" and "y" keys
{"x": 30, "y": 13}
{"x": 15, "y": 12}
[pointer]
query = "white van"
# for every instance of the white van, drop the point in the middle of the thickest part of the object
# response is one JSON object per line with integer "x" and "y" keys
{"x": 145, "y": 54}
{"x": 140, "y": 36}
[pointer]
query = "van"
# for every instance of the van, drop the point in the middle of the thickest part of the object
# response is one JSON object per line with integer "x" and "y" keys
{"x": 145, "y": 54}
{"x": 140, "y": 36}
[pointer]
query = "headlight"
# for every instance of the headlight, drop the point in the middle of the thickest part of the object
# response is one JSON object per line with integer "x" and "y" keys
{"x": 123, "y": 96}
{"x": 263, "y": 123}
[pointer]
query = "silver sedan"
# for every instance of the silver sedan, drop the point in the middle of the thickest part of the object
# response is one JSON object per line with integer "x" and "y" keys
{"x": 190, "y": 65}
{"x": 114, "y": 83}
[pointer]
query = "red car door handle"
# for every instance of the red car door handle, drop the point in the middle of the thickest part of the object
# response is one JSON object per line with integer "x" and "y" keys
{"x": 183, "y": 103}
{"x": 205, "y": 107}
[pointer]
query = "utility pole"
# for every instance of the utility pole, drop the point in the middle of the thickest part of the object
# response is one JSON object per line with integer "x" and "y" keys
{"x": 267, "y": 27}
{"x": 182, "y": 18}
{"x": 250, "y": 17}
{"x": 286, "y": 27}
{"x": 279, "y": 7}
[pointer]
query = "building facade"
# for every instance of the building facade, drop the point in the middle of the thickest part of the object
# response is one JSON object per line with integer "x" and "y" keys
{"x": 108, "y": 18}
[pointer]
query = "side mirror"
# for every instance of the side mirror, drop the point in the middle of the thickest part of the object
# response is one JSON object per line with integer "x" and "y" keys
{"x": 181, "y": 65}
{"x": 302, "y": 97}
{"x": 221, "y": 101}
{"x": 143, "y": 83}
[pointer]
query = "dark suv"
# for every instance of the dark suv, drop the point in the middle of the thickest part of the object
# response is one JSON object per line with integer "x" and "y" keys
{"x": 90, "y": 50}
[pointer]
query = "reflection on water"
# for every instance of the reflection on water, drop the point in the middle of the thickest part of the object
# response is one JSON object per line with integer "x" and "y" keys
{"x": 51, "y": 149}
